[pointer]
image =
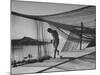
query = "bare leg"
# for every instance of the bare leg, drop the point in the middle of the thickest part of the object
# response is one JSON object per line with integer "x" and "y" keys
{"x": 54, "y": 53}
{"x": 56, "y": 50}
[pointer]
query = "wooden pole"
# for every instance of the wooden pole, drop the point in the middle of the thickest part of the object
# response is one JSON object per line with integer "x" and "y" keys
{"x": 81, "y": 35}
{"x": 43, "y": 39}
{"x": 38, "y": 38}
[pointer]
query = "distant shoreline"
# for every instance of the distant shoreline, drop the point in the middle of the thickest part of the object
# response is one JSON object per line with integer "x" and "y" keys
{"x": 27, "y": 41}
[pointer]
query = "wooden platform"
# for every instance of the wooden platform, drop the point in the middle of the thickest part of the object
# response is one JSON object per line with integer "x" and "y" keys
{"x": 75, "y": 54}
{"x": 85, "y": 61}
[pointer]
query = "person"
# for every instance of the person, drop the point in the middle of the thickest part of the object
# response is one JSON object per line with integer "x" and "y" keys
{"x": 55, "y": 40}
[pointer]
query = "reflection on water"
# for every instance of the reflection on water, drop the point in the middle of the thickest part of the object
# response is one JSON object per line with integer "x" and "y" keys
{"x": 18, "y": 52}
{"x": 23, "y": 51}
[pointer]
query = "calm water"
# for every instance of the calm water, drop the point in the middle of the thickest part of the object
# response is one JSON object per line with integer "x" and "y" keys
{"x": 22, "y": 51}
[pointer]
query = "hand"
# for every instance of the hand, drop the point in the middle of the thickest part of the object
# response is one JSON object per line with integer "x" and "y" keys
{"x": 51, "y": 41}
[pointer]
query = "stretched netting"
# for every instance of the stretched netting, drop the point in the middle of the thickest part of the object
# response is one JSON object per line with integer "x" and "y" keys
{"x": 74, "y": 45}
{"x": 68, "y": 26}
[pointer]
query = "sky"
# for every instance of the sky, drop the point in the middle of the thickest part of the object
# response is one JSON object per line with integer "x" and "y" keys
{"x": 23, "y": 27}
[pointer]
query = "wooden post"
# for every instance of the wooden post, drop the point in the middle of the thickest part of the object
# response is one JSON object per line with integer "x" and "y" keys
{"x": 81, "y": 35}
{"x": 38, "y": 39}
{"x": 43, "y": 39}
